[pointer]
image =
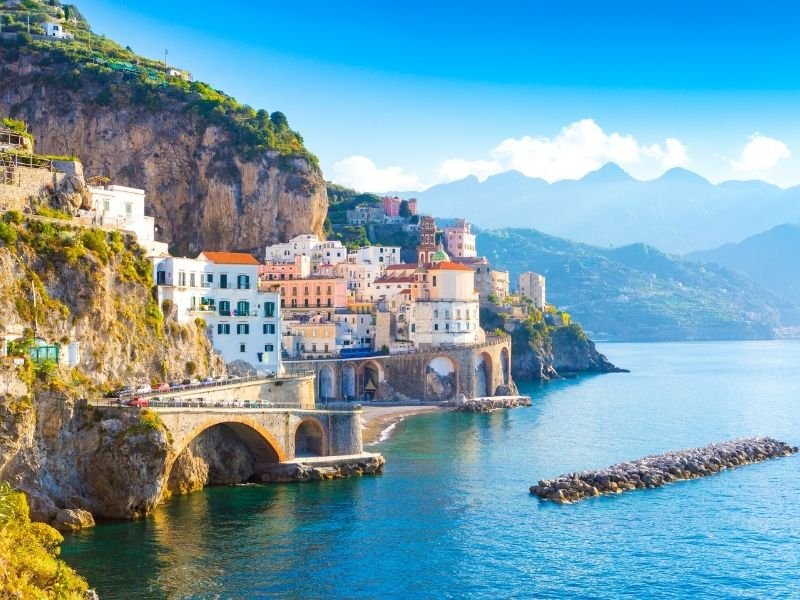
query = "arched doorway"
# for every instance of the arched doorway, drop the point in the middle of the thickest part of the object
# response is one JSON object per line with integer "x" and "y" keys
{"x": 440, "y": 379}
{"x": 309, "y": 439}
{"x": 483, "y": 374}
{"x": 504, "y": 361}
{"x": 327, "y": 383}
{"x": 371, "y": 380}
{"x": 349, "y": 382}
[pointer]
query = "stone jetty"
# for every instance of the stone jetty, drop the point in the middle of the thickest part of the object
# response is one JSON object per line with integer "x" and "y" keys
{"x": 321, "y": 469}
{"x": 655, "y": 471}
{"x": 488, "y": 403}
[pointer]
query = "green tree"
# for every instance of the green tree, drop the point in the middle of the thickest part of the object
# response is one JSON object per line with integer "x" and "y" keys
{"x": 405, "y": 211}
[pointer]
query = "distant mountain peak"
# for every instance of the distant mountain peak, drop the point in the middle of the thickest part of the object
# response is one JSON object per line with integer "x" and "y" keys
{"x": 679, "y": 174}
{"x": 608, "y": 173}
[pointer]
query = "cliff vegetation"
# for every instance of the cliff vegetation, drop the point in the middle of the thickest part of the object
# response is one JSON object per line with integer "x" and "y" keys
{"x": 218, "y": 174}
{"x": 29, "y": 563}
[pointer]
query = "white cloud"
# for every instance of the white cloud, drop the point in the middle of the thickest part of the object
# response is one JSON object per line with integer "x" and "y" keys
{"x": 361, "y": 173}
{"x": 574, "y": 151}
{"x": 761, "y": 153}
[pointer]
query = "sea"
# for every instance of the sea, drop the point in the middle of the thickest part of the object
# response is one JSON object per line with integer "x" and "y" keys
{"x": 452, "y": 517}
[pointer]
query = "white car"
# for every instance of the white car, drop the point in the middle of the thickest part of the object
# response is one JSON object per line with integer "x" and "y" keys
{"x": 143, "y": 389}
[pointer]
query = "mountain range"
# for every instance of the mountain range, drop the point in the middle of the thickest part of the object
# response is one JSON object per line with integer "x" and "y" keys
{"x": 769, "y": 258}
{"x": 637, "y": 293}
{"x": 679, "y": 212}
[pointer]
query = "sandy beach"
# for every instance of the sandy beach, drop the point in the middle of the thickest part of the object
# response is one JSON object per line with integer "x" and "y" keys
{"x": 378, "y": 419}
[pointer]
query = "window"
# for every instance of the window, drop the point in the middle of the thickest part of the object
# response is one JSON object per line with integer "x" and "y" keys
{"x": 326, "y": 347}
{"x": 436, "y": 327}
{"x": 191, "y": 280}
{"x": 242, "y": 329}
{"x": 434, "y": 281}
{"x": 319, "y": 302}
{"x": 413, "y": 328}
{"x": 305, "y": 302}
{"x": 294, "y": 290}
{"x": 329, "y": 302}
{"x": 436, "y": 314}
{"x": 128, "y": 209}
{"x": 161, "y": 277}
{"x": 223, "y": 328}
{"x": 209, "y": 279}
{"x": 269, "y": 348}
{"x": 329, "y": 290}
{"x": 223, "y": 281}
{"x": 242, "y": 348}
{"x": 294, "y": 302}
{"x": 243, "y": 282}
{"x": 182, "y": 278}
{"x": 305, "y": 291}
{"x": 225, "y": 307}
{"x": 242, "y": 308}
{"x": 269, "y": 328}
{"x": 319, "y": 290}
{"x": 269, "y": 308}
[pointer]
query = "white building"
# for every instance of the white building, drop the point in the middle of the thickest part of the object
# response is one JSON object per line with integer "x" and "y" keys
{"x": 532, "y": 285}
{"x": 243, "y": 323}
{"x": 354, "y": 330}
{"x": 56, "y": 30}
{"x": 122, "y": 208}
{"x": 385, "y": 255}
{"x": 447, "y": 313}
{"x": 319, "y": 251}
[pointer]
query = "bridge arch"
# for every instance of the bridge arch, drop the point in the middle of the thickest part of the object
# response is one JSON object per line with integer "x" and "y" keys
{"x": 484, "y": 374}
{"x": 505, "y": 366}
{"x": 327, "y": 383}
{"x": 349, "y": 381}
{"x": 371, "y": 378}
{"x": 441, "y": 378}
{"x": 309, "y": 438}
{"x": 263, "y": 446}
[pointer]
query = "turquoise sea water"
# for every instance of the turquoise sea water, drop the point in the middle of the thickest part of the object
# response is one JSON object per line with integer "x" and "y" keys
{"x": 452, "y": 518}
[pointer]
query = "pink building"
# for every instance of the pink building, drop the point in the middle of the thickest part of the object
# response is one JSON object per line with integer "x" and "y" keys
{"x": 391, "y": 206}
{"x": 280, "y": 270}
{"x": 460, "y": 241}
{"x": 313, "y": 292}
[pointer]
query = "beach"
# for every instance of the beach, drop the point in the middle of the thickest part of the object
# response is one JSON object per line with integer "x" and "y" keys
{"x": 379, "y": 419}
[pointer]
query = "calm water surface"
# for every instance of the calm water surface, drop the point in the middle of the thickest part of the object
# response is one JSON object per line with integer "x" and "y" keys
{"x": 452, "y": 517}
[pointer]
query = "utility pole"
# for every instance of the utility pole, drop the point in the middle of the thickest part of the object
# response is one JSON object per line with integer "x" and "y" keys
{"x": 29, "y": 21}
{"x": 165, "y": 59}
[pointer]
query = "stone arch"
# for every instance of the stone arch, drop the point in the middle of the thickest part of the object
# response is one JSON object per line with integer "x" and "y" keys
{"x": 349, "y": 381}
{"x": 309, "y": 438}
{"x": 371, "y": 378}
{"x": 441, "y": 379}
{"x": 264, "y": 447}
{"x": 327, "y": 383}
{"x": 505, "y": 365}
{"x": 483, "y": 374}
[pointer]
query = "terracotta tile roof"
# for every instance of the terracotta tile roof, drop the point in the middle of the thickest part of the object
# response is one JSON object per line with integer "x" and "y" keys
{"x": 449, "y": 266}
{"x": 230, "y": 258}
{"x": 397, "y": 279}
{"x": 403, "y": 266}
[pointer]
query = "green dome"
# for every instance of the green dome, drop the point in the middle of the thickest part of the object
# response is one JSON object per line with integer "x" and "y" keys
{"x": 440, "y": 255}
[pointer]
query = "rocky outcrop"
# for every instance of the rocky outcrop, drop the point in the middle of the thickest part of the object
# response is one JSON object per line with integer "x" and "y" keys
{"x": 290, "y": 472}
{"x": 68, "y": 519}
{"x": 485, "y": 405}
{"x": 659, "y": 470}
{"x": 204, "y": 191}
{"x": 574, "y": 352}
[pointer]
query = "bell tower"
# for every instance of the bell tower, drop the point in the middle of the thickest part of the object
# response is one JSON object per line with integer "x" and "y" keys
{"x": 427, "y": 240}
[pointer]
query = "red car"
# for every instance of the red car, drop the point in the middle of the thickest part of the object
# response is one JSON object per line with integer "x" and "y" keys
{"x": 162, "y": 387}
{"x": 139, "y": 401}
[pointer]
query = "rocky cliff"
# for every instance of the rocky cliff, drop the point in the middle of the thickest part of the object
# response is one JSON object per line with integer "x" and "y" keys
{"x": 95, "y": 287}
{"x": 217, "y": 175}
{"x": 543, "y": 351}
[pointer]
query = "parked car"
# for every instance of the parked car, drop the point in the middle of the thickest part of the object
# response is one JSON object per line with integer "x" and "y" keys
{"x": 162, "y": 387}
{"x": 143, "y": 388}
{"x": 139, "y": 401}
{"x": 123, "y": 391}
{"x": 209, "y": 380}
{"x": 271, "y": 374}
{"x": 175, "y": 385}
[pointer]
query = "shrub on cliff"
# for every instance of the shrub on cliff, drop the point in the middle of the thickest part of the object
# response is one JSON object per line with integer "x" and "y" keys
{"x": 29, "y": 564}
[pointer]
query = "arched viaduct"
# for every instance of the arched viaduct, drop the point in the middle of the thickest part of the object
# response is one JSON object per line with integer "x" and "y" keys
{"x": 434, "y": 374}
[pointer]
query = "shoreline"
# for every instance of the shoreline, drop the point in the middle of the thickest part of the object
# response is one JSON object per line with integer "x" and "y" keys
{"x": 379, "y": 421}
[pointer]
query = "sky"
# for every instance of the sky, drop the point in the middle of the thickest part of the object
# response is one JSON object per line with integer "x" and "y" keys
{"x": 405, "y": 95}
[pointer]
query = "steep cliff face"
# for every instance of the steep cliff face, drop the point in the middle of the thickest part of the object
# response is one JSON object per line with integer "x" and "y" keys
{"x": 95, "y": 287}
{"x": 204, "y": 189}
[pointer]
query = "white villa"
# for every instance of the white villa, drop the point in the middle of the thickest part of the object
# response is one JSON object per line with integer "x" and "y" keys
{"x": 57, "y": 31}
{"x": 222, "y": 288}
{"x": 319, "y": 251}
{"x": 122, "y": 208}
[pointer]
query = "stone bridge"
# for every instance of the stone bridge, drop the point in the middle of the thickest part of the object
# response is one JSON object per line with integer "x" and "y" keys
{"x": 270, "y": 435}
{"x": 434, "y": 374}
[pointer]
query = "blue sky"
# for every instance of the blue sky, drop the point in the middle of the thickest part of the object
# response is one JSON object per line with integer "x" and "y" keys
{"x": 406, "y": 95}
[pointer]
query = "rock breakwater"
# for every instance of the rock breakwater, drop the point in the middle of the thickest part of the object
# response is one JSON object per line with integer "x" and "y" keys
{"x": 661, "y": 469}
{"x": 336, "y": 469}
{"x": 482, "y": 405}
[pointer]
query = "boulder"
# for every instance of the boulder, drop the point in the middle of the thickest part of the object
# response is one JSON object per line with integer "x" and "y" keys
{"x": 73, "y": 519}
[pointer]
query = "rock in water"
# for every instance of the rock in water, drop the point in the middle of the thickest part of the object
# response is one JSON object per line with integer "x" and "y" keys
{"x": 658, "y": 470}
{"x": 69, "y": 519}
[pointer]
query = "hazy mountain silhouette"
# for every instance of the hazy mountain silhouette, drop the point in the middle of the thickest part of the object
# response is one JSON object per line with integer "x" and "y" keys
{"x": 770, "y": 258}
{"x": 678, "y": 212}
